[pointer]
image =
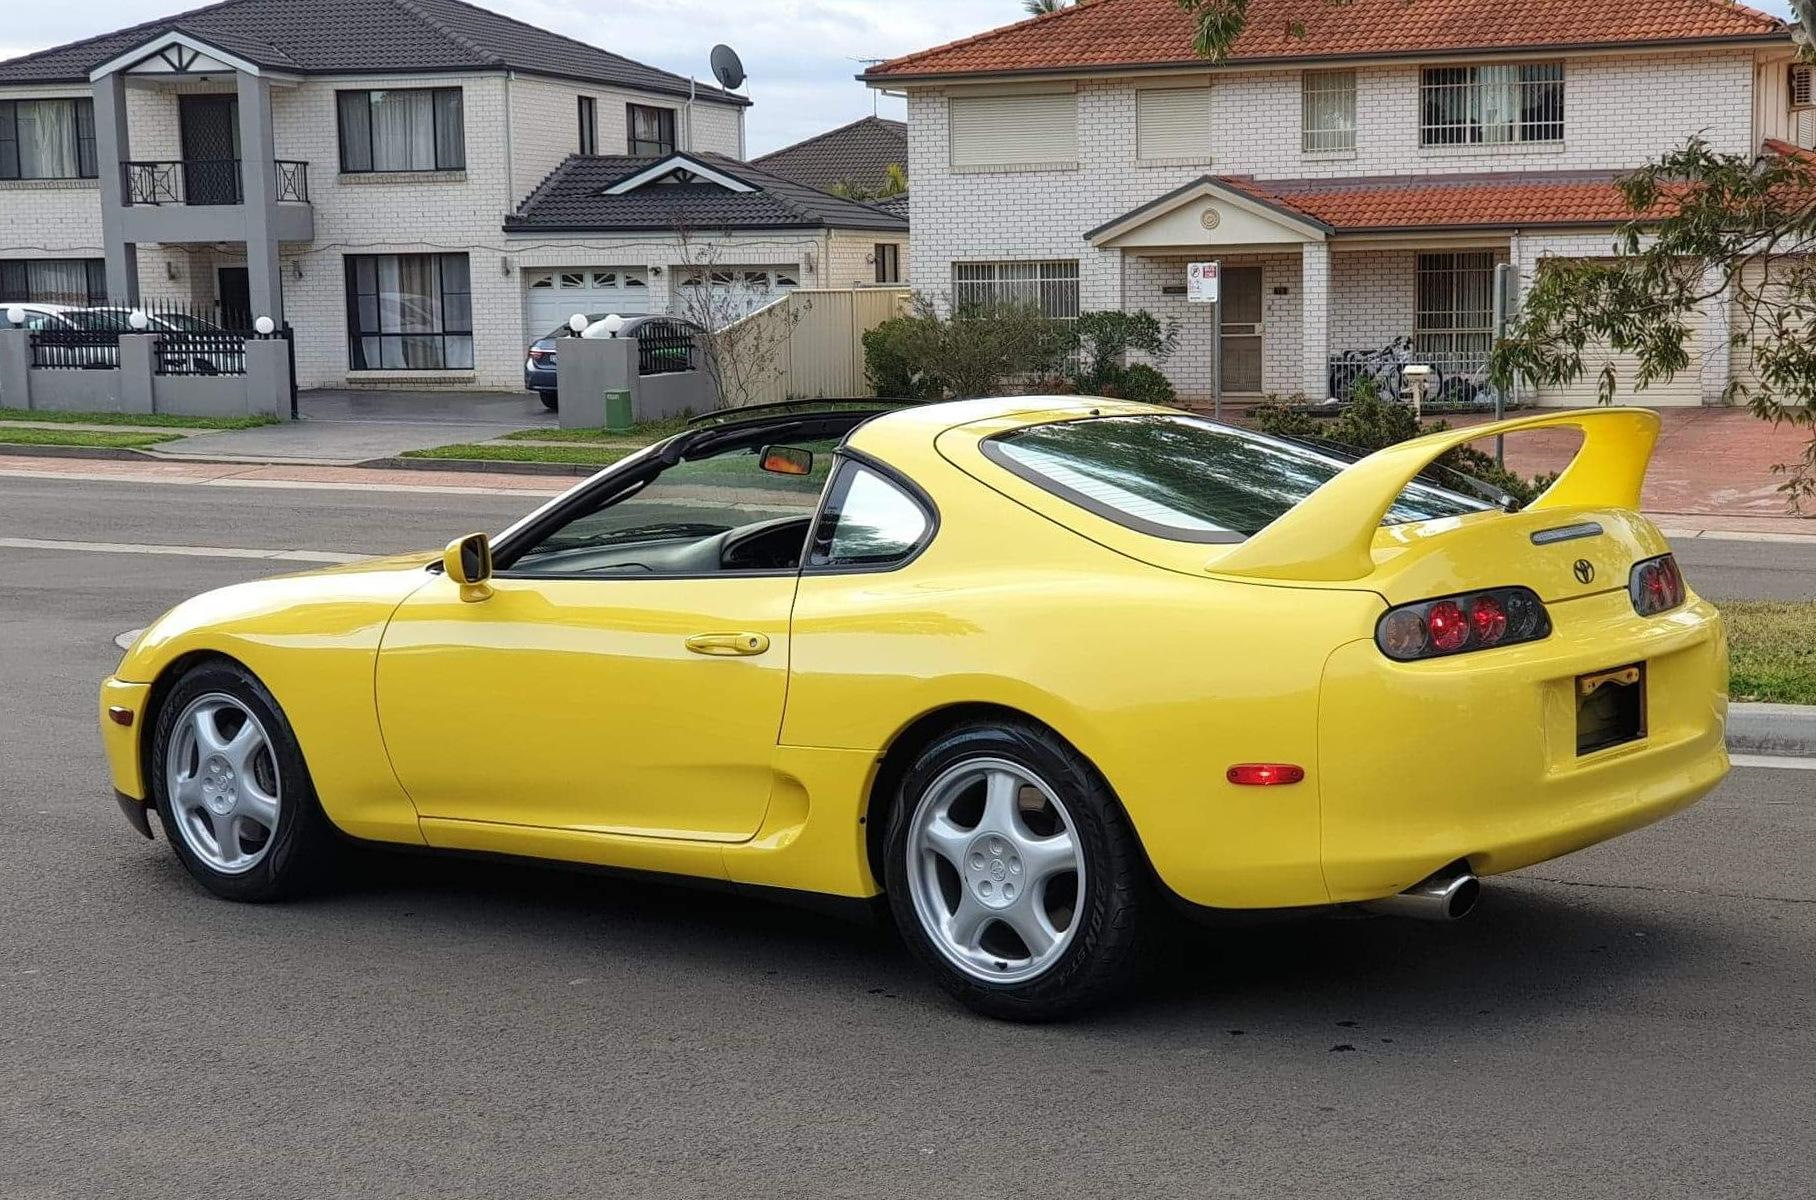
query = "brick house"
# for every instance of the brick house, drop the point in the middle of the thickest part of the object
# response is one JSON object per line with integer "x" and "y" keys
{"x": 350, "y": 165}
{"x": 1358, "y": 170}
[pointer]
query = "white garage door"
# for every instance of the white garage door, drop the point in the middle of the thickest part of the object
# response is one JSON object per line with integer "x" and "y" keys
{"x": 1681, "y": 390}
{"x": 554, "y": 296}
{"x": 735, "y": 292}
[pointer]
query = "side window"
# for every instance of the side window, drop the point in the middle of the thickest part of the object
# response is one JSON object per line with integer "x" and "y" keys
{"x": 868, "y": 521}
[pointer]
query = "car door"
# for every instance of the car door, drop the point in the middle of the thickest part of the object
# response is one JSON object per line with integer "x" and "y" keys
{"x": 627, "y": 673}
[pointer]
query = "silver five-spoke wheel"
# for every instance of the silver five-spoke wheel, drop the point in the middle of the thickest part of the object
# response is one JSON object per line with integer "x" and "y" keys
{"x": 222, "y": 782}
{"x": 995, "y": 870}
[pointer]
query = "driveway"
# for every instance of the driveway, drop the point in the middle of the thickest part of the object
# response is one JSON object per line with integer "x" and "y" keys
{"x": 356, "y": 426}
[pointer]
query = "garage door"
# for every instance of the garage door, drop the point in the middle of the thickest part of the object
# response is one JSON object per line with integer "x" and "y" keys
{"x": 735, "y": 291}
{"x": 554, "y": 296}
{"x": 1682, "y": 389}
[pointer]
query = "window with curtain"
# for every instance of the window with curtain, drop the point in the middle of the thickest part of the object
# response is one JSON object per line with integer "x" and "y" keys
{"x": 651, "y": 131}
{"x": 77, "y": 281}
{"x": 888, "y": 259}
{"x": 402, "y": 129}
{"x": 47, "y": 139}
{"x": 589, "y": 125}
{"x": 1492, "y": 104}
{"x": 1454, "y": 326}
{"x": 410, "y": 312}
{"x": 1050, "y": 286}
{"x": 1327, "y": 111}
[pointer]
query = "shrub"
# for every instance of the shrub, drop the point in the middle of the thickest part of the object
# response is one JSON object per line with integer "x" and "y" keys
{"x": 890, "y": 366}
{"x": 980, "y": 351}
{"x": 1140, "y": 383}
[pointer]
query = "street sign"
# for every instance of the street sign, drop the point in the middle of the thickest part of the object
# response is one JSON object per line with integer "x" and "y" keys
{"x": 1201, "y": 282}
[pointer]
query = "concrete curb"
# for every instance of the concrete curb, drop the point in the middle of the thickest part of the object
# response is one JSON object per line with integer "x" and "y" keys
{"x": 1782, "y": 729}
{"x": 115, "y": 453}
{"x": 483, "y": 466}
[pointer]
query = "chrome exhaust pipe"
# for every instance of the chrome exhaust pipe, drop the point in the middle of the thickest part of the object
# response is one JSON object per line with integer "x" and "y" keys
{"x": 1447, "y": 895}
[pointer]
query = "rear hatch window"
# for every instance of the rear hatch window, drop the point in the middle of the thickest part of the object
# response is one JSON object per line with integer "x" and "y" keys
{"x": 1187, "y": 478}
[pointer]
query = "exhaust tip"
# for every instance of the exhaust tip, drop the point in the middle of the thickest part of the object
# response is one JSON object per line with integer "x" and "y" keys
{"x": 1463, "y": 897}
{"x": 1448, "y": 895}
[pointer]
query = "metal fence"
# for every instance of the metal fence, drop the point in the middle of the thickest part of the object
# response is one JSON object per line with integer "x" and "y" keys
{"x": 1457, "y": 381}
{"x": 207, "y": 181}
{"x": 664, "y": 347}
{"x": 75, "y": 349}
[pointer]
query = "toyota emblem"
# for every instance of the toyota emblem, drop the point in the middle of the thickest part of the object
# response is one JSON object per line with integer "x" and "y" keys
{"x": 1584, "y": 570}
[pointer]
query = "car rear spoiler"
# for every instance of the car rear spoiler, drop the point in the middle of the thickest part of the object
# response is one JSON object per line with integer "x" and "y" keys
{"x": 1329, "y": 535}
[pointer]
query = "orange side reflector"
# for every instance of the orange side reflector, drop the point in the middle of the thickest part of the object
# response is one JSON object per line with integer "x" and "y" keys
{"x": 1264, "y": 774}
{"x": 119, "y": 716}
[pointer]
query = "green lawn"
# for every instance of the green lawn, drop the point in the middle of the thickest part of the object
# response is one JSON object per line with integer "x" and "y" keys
{"x": 18, "y": 435}
{"x": 635, "y": 436}
{"x": 148, "y": 420}
{"x": 1772, "y": 651}
{"x": 586, "y": 456}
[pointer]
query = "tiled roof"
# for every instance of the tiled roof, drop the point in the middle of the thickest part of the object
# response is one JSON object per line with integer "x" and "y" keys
{"x": 860, "y": 153}
{"x": 570, "y": 200}
{"x": 896, "y": 205}
{"x": 1484, "y": 201}
{"x": 363, "y": 36}
{"x": 1109, "y": 34}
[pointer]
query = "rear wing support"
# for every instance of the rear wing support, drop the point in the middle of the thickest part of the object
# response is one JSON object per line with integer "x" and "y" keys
{"x": 1328, "y": 536}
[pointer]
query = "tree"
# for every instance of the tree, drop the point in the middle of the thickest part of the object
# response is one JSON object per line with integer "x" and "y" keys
{"x": 895, "y": 182}
{"x": 1040, "y": 8}
{"x": 744, "y": 338}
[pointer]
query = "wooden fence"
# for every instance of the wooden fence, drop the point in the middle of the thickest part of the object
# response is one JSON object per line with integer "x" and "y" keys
{"x": 813, "y": 341}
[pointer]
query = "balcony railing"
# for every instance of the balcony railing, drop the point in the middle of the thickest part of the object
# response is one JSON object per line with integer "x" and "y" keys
{"x": 1458, "y": 379}
{"x": 206, "y": 181}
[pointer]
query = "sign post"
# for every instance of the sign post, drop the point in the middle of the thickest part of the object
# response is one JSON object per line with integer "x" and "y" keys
{"x": 1203, "y": 286}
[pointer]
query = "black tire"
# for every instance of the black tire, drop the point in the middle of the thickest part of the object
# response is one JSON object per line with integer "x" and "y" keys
{"x": 551, "y": 400}
{"x": 1109, "y": 929}
{"x": 299, "y": 852}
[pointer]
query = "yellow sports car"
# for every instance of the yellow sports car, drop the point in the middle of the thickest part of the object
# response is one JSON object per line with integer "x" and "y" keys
{"x": 1030, "y": 668}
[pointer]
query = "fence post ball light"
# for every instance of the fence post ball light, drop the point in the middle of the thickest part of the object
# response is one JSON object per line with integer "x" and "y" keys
{"x": 578, "y": 322}
{"x": 613, "y": 323}
{"x": 265, "y": 326}
{"x": 138, "y": 320}
{"x": 15, "y": 315}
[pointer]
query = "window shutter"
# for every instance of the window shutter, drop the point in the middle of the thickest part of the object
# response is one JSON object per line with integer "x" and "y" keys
{"x": 1803, "y": 85}
{"x": 1173, "y": 123}
{"x": 1006, "y": 130}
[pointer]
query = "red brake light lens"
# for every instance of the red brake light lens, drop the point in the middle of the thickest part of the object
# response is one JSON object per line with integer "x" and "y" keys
{"x": 1656, "y": 585}
{"x": 1458, "y": 624}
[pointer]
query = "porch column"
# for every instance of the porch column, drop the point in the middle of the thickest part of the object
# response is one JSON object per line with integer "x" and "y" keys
{"x": 1314, "y": 320}
{"x": 258, "y": 175}
{"x": 113, "y": 146}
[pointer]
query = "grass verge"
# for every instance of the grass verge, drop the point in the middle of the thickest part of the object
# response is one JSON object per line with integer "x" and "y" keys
{"x": 632, "y": 438}
{"x": 144, "y": 420}
{"x": 585, "y": 456}
{"x": 1772, "y": 651}
{"x": 20, "y": 436}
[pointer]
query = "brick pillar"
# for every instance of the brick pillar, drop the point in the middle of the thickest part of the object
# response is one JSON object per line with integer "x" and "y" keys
{"x": 1314, "y": 316}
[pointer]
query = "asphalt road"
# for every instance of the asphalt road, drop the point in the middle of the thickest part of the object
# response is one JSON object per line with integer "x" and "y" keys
{"x": 1635, "y": 1020}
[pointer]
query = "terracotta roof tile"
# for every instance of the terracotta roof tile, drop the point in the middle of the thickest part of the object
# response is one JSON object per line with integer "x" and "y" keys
{"x": 1096, "y": 34}
{"x": 1456, "y": 201}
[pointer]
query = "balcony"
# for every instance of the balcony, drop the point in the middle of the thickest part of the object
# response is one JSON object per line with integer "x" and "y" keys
{"x": 204, "y": 200}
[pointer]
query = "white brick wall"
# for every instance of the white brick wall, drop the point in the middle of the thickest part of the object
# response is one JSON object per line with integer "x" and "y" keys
{"x": 850, "y": 263}
{"x": 1619, "y": 112}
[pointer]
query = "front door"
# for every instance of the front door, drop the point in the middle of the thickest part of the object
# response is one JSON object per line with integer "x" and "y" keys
{"x": 627, "y": 673}
{"x": 1241, "y": 316}
{"x": 234, "y": 289}
{"x": 210, "y": 128}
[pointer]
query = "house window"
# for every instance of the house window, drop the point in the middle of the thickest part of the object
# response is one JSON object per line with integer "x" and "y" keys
{"x": 402, "y": 129}
{"x": 888, "y": 257}
{"x": 409, "y": 312}
{"x": 1491, "y": 105}
{"x": 1328, "y": 111}
{"x": 1051, "y": 286}
{"x": 589, "y": 125}
{"x": 47, "y": 139}
{"x": 651, "y": 130}
{"x": 1018, "y": 130}
{"x": 1172, "y": 123}
{"x": 77, "y": 281}
{"x": 1454, "y": 326}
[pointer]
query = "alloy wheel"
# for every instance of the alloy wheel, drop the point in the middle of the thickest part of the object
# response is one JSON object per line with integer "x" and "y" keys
{"x": 222, "y": 785}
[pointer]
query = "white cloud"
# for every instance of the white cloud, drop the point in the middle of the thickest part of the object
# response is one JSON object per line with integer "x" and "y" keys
{"x": 801, "y": 54}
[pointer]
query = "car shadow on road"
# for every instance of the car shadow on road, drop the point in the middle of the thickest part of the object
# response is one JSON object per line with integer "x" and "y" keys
{"x": 1532, "y": 952}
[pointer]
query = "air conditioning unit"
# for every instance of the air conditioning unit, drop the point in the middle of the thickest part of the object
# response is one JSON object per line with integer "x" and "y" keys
{"x": 1803, "y": 86}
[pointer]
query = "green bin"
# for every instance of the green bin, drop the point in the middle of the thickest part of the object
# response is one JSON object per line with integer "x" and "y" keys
{"x": 617, "y": 410}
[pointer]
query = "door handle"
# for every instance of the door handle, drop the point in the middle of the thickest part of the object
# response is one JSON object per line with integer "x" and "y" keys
{"x": 723, "y": 645}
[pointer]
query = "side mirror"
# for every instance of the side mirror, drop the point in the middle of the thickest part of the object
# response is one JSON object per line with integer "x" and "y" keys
{"x": 787, "y": 460}
{"x": 468, "y": 562}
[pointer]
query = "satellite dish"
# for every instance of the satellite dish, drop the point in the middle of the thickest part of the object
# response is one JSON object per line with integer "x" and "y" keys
{"x": 728, "y": 69}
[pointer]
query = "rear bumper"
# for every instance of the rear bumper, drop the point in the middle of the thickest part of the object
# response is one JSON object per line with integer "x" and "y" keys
{"x": 1422, "y": 764}
{"x": 538, "y": 379}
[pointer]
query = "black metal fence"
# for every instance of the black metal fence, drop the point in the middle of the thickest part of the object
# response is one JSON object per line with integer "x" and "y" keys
{"x": 664, "y": 347}
{"x": 191, "y": 340}
{"x": 75, "y": 349}
{"x": 207, "y": 181}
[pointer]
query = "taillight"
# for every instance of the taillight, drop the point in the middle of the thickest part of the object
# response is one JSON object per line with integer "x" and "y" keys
{"x": 1655, "y": 585}
{"x": 542, "y": 356}
{"x": 1459, "y": 624}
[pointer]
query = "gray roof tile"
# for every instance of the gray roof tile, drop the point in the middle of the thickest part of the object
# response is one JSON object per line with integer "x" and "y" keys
{"x": 858, "y": 153}
{"x": 364, "y": 36}
{"x": 570, "y": 199}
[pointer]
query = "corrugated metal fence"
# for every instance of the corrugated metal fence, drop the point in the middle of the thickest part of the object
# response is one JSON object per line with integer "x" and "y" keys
{"x": 814, "y": 339}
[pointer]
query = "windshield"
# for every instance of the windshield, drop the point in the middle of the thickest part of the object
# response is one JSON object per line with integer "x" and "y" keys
{"x": 1187, "y": 478}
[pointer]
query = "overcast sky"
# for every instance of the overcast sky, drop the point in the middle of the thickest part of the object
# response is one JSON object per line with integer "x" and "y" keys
{"x": 801, "y": 54}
